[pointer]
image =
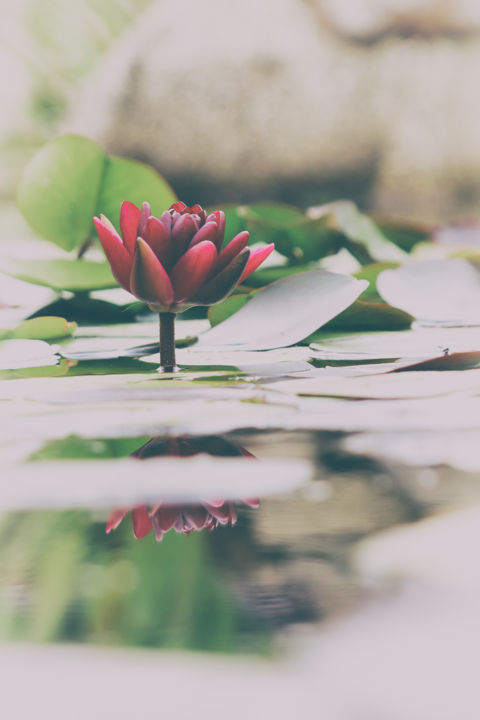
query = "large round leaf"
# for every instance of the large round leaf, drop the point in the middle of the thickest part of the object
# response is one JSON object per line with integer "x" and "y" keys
{"x": 59, "y": 189}
{"x": 130, "y": 180}
{"x": 286, "y": 312}
{"x": 71, "y": 179}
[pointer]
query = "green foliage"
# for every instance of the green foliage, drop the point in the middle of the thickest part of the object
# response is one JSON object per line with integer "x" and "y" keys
{"x": 71, "y": 275}
{"x": 41, "y": 328}
{"x": 71, "y": 179}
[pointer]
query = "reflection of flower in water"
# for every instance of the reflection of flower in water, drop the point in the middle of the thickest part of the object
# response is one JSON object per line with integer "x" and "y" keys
{"x": 184, "y": 518}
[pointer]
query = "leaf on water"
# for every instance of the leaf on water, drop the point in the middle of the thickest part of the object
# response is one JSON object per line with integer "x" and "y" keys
{"x": 454, "y": 361}
{"x": 405, "y": 234}
{"x": 412, "y": 344}
{"x": 71, "y": 275}
{"x": 434, "y": 290}
{"x": 41, "y": 328}
{"x": 127, "y": 482}
{"x": 369, "y": 316}
{"x": 371, "y": 273}
{"x": 71, "y": 179}
{"x": 389, "y": 386}
{"x": 26, "y": 353}
{"x": 286, "y": 312}
{"x": 366, "y": 241}
{"x": 222, "y": 311}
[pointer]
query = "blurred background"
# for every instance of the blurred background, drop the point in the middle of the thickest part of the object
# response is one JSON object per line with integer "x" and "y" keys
{"x": 298, "y": 101}
{"x": 302, "y": 101}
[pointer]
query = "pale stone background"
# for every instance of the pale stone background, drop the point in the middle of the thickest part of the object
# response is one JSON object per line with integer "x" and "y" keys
{"x": 378, "y": 100}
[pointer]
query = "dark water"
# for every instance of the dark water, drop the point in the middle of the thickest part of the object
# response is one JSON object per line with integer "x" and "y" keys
{"x": 232, "y": 587}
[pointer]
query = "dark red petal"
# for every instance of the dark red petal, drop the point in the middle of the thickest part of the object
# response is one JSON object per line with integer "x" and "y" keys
{"x": 193, "y": 268}
{"x": 158, "y": 237}
{"x": 196, "y": 516}
{"x": 206, "y": 232}
{"x": 221, "y": 514}
{"x": 182, "y": 232}
{"x": 114, "y": 519}
{"x": 178, "y": 206}
{"x": 141, "y": 521}
{"x": 198, "y": 210}
{"x": 142, "y": 221}
{"x": 129, "y": 217}
{"x": 149, "y": 280}
{"x": 166, "y": 516}
{"x": 216, "y": 288}
{"x": 234, "y": 247}
{"x": 116, "y": 252}
{"x": 256, "y": 259}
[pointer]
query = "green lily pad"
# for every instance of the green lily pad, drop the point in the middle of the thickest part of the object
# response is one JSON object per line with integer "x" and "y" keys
{"x": 41, "y": 328}
{"x": 362, "y": 237}
{"x": 222, "y": 311}
{"x": 286, "y": 312}
{"x": 369, "y": 316}
{"x": 71, "y": 179}
{"x": 71, "y": 275}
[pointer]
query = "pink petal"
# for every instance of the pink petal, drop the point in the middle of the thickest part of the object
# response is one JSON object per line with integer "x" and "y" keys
{"x": 219, "y": 216}
{"x": 234, "y": 247}
{"x": 141, "y": 521}
{"x": 166, "y": 219}
{"x": 166, "y": 516}
{"x": 114, "y": 519}
{"x": 182, "y": 232}
{"x": 252, "y": 502}
{"x": 129, "y": 217}
{"x": 142, "y": 220}
{"x": 116, "y": 252}
{"x": 193, "y": 268}
{"x": 206, "y": 232}
{"x": 196, "y": 516}
{"x": 256, "y": 258}
{"x": 158, "y": 237}
{"x": 149, "y": 280}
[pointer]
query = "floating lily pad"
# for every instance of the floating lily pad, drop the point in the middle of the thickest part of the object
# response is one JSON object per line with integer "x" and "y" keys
{"x": 41, "y": 328}
{"x": 363, "y": 238}
{"x": 434, "y": 290}
{"x": 26, "y": 353}
{"x": 286, "y": 311}
{"x": 72, "y": 275}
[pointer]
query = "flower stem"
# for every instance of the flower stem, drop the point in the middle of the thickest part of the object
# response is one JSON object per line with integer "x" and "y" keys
{"x": 167, "y": 342}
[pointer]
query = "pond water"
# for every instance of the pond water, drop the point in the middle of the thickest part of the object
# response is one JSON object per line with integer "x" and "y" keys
{"x": 309, "y": 545}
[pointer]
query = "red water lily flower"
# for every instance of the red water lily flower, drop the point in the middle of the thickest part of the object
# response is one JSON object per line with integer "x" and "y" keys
{"x": 181, "y": 518}
{"x": 176, "y": 261}
{"x": 205, "y": 515}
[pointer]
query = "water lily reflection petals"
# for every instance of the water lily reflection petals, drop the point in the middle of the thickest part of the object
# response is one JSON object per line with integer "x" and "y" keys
{"x": 176, "y": 261}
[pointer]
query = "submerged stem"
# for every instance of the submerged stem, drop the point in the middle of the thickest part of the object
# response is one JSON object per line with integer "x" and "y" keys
{"x": 167, "y": 342}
